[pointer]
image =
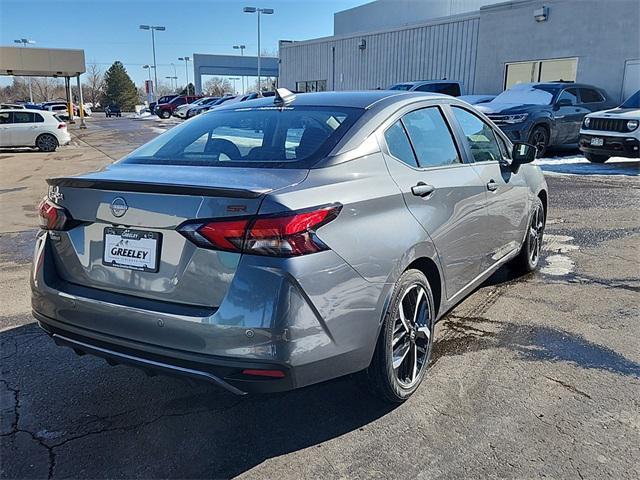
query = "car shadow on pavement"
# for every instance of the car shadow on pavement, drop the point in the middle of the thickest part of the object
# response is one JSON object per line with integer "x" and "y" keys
{"x": 85, "y": 416}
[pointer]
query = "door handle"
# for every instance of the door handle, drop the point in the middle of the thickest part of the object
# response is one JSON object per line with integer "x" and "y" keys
{"x": 492, "y": 186}
{"x": 422, "y": 189}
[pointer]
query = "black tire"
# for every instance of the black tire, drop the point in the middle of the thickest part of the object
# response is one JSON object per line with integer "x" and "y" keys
{"x": 529, "y": 256}
{"x": 165, "y": 114}
{"x": 397, "y": 384}
{"x": 595, "y": 158}
{"x": 539, "y": 137}
{"x": 47, "y": 142}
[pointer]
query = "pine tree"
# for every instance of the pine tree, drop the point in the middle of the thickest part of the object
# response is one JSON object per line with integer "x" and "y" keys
{"x": 119, "y": 89}
{"x": 189, "y": 90}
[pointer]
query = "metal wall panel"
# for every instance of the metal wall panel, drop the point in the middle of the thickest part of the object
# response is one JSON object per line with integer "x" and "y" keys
{"x": 435, "y": 50}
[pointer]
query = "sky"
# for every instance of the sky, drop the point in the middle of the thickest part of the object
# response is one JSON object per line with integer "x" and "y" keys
{"x": 108, "y": 30}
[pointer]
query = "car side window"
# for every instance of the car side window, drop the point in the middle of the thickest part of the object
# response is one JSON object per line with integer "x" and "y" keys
{"x": 22, "y": 117}
{"x": 431, "y": 138}
{"x": 569, "y": 94}
{"x": 37, "y": 118}
{"x": 399, "y": 145}
{"x": 479, "y": 135}
{"x": 5, "y": 117}
{"x": 589, "y": 95}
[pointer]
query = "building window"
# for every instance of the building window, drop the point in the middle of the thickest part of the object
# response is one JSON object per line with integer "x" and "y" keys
{"x": 558, "y": 69}
{"x": 312, "y": 86}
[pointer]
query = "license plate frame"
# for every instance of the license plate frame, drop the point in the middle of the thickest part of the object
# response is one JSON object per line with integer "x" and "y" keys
{"x": 135, "y": 243}
{"x": 596, "y": 142}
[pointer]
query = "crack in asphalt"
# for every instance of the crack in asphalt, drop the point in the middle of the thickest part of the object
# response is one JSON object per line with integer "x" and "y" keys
{"x": 569, "y": 387}
{"x": 109, "y": 419}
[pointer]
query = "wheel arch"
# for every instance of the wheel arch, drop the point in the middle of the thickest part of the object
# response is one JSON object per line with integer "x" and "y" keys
{"x": 544, "y": 198}
{"x": 430, "y": 270}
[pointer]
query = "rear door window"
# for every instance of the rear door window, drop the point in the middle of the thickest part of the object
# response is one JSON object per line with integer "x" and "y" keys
{"x": 589, "y": 95}
{"x": 398, "y": 144}
{"x": 22, "y": 117}
{"x": 480, "y": 137}
{"x": 431, "y": 138}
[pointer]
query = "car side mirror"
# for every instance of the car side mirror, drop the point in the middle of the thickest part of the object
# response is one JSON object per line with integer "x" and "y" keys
{"x": 563, "y": 102}
{"x": 522, "y": 153}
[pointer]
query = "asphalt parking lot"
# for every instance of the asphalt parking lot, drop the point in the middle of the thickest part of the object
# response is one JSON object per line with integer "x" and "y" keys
{"x": 533, "y": 376}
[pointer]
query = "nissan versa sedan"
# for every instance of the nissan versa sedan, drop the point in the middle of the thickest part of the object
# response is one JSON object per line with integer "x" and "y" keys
{"x": 284, "y": 241}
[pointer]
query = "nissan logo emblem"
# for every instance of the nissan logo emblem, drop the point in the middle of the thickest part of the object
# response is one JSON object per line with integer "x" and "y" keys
{"x": 118, "y": 207}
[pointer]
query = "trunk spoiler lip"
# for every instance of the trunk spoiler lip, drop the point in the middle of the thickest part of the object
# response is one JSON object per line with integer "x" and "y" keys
{"x": 148, "y": 187}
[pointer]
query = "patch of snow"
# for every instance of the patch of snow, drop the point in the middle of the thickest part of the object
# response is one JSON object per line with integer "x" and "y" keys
{"x": 579, "y": 165}
{"x": 558, "y": 265}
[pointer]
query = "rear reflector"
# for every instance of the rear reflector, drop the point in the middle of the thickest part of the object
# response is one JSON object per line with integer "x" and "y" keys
{"x": 263, "y": 373}
{"x": 284, "y": 235}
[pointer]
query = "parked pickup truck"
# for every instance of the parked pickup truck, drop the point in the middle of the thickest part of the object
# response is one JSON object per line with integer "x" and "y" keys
{"x": 614, "y": 132}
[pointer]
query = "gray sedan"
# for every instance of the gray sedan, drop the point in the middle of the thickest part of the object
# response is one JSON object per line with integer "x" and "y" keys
{"x": 288, "y": 240}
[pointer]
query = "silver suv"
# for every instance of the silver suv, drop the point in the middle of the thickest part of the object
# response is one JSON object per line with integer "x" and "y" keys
{"x": 288, "y": 240}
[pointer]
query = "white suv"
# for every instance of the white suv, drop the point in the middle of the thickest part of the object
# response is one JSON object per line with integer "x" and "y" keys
{"x": 32, "y": 128}
{"x": 612, "y": 133}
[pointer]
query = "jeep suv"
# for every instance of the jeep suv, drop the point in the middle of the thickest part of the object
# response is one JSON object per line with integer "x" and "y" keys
{"x": 613, "y": 132}
{"x": 164, "y": 110}
{"x": 545, "y": 114}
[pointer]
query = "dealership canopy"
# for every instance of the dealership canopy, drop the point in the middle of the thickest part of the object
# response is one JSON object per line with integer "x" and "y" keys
{"x": 41, "y": 62}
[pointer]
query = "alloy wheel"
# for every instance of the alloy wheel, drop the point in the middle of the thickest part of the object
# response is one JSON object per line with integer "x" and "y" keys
{"x": 411, "y": 342}
{"x": 539, "y": 140}
{"x": 536, "y": 231}
{"x": 47, "y": 143}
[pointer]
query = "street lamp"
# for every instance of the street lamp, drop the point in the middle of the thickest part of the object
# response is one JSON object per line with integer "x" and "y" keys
{"x": 265, "y": 11}
{"x": 233, "y": 79}
{"x": 153, "y": 28}
{"x": 241, "y": 48}
{"x": 186, "y": 70}
{"x": 153, "y": 89}
{"x": 171, "y": 79}
{"x": 25, "y": 42}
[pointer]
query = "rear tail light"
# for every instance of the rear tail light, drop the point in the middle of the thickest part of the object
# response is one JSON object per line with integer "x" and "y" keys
{"x": 283, "y": 235}
{"x": 54, "y": 217}
{"x": 62, "y": 125}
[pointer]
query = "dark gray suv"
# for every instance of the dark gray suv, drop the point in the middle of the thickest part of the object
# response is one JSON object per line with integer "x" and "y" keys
{"x": 284, "y": 241}
{"x": 545, "y": 114}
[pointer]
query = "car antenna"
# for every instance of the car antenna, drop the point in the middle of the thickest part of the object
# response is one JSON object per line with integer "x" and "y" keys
{"x": 283, "y": 97}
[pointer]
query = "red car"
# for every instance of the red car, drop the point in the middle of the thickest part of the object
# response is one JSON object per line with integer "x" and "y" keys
{"x": 164, "y": 110}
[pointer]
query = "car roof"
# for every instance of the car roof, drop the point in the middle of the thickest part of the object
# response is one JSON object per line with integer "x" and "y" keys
{"x": 556, "y": 85}
{"x": 422, "y": 82}
{"x": 22, "y": 110}
{"x": 357, "y": 99}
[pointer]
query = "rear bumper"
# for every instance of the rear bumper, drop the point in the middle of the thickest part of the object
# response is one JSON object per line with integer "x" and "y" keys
{"x": 294, "y": 318}
{"x": 613, "y": 146}
{"x": 223, "y": 373}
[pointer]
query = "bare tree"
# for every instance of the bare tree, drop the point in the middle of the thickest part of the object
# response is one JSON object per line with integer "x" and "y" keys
{"x": 46, "y": 88}
{"x": 94, "y": 83}
{"x": 217, "y": 87}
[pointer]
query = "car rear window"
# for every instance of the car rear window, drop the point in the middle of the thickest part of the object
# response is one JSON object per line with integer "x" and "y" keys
{"x": 288, "y": 137}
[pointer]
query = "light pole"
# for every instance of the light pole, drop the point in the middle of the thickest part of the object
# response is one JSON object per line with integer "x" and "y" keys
{"x": 153, "y": 89}
{"x": 186, "y": 70}
{"x": 25, "y": 42}
{"x": 175, "y": 75}
{"x": 171, "y": 82}
{"x": 153, "y": 28}
{"x": 233, "y": 79}
{"x": 241, "y": 48}
{"x": 265, "y": 11}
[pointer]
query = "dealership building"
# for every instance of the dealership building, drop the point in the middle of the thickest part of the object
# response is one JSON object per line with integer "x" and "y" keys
{"x": 485, "y": 44}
